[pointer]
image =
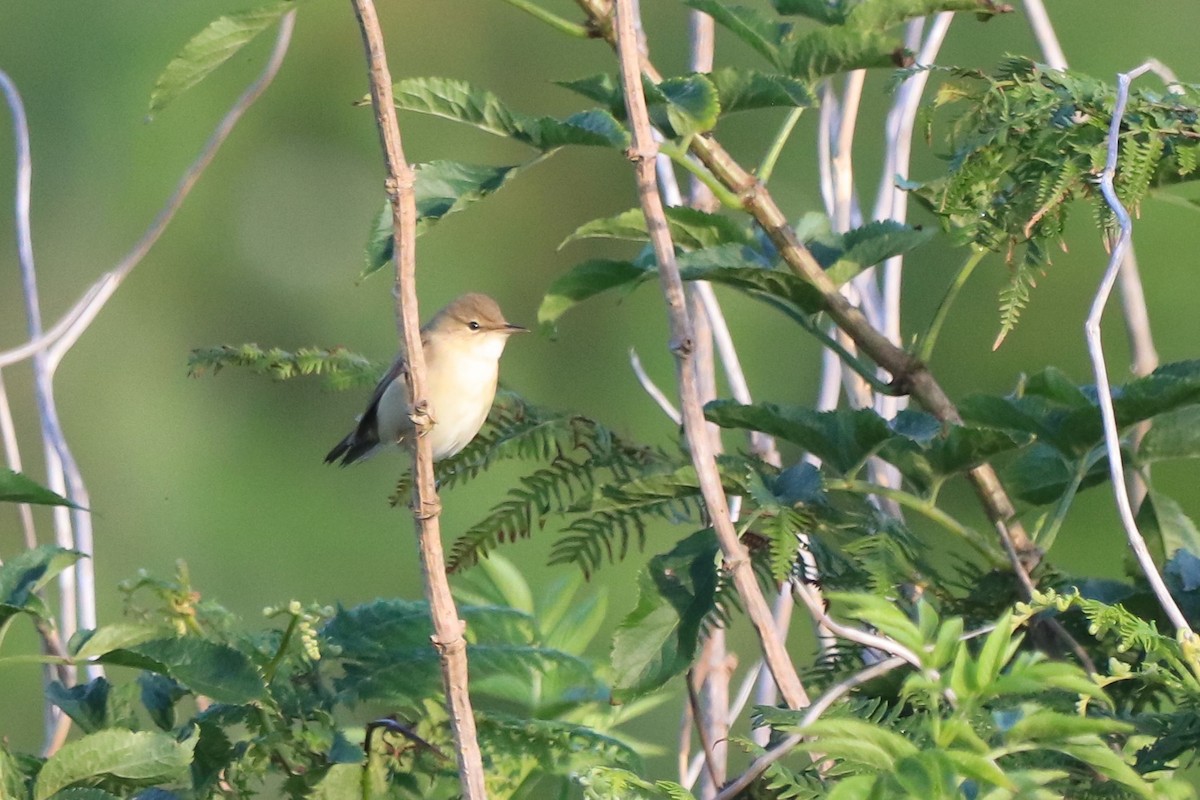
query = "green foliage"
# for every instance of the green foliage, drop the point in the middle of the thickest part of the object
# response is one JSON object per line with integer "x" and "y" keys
{"x": 343, "y": 368}
{"x": 23, "y": 576}
{"x": 855, "y": 35}
{"x": 677, "y": 591}
{"x": 442, "y": 188}
{"x": 984, "y": 714}
{"x": 1030, "y": 140}
{"x": 717, "y": 250}
{"x": 461, "y": 102}
{"x": 17, "y": 488}
{"x": 286, "y": 704}
{"x": 212, "y": 47}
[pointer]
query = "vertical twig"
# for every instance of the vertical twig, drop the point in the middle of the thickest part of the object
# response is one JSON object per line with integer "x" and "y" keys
{"x": 12, "y": 457}
{"x": 642, "y": 153}
{"x": 1112, "y": 439}
{"x": 448, "y": 627}
{"x": 1044, "y": 32}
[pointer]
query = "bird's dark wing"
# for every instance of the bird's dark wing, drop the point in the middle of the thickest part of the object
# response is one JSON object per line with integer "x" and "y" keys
{"x": 365, "y": 436}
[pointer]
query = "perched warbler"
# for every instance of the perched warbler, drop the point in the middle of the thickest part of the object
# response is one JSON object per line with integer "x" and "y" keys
{"x": 462, "y": 344}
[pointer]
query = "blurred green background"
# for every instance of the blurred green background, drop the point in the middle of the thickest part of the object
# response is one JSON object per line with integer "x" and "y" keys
{"x": 226, "y": 473}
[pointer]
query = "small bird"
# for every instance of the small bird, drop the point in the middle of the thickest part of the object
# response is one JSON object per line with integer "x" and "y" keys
{"x": 462, "y": 343}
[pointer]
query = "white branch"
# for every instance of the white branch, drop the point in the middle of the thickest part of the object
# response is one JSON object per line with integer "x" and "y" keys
{"x": 1092, "y": 331}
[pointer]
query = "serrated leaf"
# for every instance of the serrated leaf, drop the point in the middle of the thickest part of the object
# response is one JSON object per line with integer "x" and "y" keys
{"x": 1166, "y": 527}
{"x": 442, "y": 188}
{"x": 1040, "y": 476}
{"x": 142, "y": 756}
{"x": 25, "y": 573}
{"x": 121, "y": 635}
{"x": 17, "y": 488}
{"x": 723, "y": 265}
{"x": 927, "y": 456}
{"x": 842, "y": 439}
{"x": 747, "y": 90}
{"x": 211, "y": 48}
{"x": 686, "y": 105}
{"x": 603, "y": 88}
{"x": 658, "y": 639}
{"x": 85, "y": 703}
{"x": 690, "y": 228}
{"x": 829, "y": 51}
{"x": 584, "y": 281}
{"x": 206, "y": 668}
{"x": 756, "y": 29}
{"x": 873, "y": 244}
{"x": 460, "y": 101}
{"x": 1058, "y": 418}
{"x": 1175, "y": 434}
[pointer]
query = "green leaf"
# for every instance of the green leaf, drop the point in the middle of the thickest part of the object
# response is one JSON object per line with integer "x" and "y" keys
{"x": 211, "y": 48}
{"x": 690, "y": 228}
{"x": 842, "y": 439}
{"x": 1057, "y": 415}
{"x": 658, "y": 639}
{"x": 979, "y": 768}
{"x": 747, "y": 90}
{"x": 824, "y": 11}
{"x": 584, "y": 281}
{"x": 460, "y": 101}
{"x": 16, "y": 488}
{"x": 1046, "y": 725}
{"x": 603, "y": 88}
{"x": 206, "y": 668}
{"x": 1175, "y": 434}
{"x": 873, "y": 244}
{"x": 93, "y": 793}
{"x": 881, "y": 613}
{"x": 341, "y": 782}
{"x": 442, "y": 188}
{"x": 25, "y": 573}
{"x": 926, "y": 456}
{"x": 829, "y": 51}
{"x": 764, "y": 34}
{"x": 724, "y": 265}
{"x": 141, "y": 756}
{"x": 86, "y": 704}
{"x": 119, "y": 636}
{"x": 858, "y": 742}
{"x": 159, "y": 694}
{"x": 1166, "y": 527}
{"x": 854, "y": 787}
{"x": 683, "y": 106}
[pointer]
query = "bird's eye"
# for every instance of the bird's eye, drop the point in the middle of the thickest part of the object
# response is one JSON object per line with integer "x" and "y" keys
{"x": 473, "y": 325}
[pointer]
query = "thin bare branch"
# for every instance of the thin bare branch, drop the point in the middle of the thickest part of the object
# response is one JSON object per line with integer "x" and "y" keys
{"x": 737, "y": 559}
{"x": 447, "y": 625}
{"x": 12, "y": 458}
{"x": 651, "y": 388}
{"x": 819, "y": 707}
{"x": 1043, "y": 31}
{"x": 1092, "y": 331}
{"x": 851, "y": 634}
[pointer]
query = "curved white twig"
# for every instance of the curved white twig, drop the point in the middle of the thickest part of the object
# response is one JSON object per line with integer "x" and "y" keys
{"x": 1112, "y": 441}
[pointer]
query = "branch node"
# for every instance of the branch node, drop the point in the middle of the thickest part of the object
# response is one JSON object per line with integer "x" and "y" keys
{"x": 683, "y": 347}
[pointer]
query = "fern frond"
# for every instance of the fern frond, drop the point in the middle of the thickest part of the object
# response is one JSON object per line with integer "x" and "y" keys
{"x": 557, "y": 747}
{"x": 342, "y": 368}
{"x": 1014, "y": 298}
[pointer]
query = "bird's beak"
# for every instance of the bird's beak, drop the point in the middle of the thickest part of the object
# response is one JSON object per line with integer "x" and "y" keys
{"x": 510, "y": 328}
